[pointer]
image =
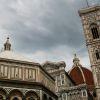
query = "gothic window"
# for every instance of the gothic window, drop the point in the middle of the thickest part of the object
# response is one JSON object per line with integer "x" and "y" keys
{"x": 97, "y": 54}
{"x": 94, "y": 30}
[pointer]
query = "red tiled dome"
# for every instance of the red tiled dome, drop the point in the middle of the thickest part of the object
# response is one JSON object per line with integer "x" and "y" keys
{"x": 81, "y": 75}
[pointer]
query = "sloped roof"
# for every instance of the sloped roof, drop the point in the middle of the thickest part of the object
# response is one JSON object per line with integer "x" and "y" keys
{"x": 13, "y": 56}
{"x": 81, "y": 75}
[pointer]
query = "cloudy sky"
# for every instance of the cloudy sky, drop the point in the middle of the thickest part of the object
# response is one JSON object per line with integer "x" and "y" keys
{"x": 45, "y": 29}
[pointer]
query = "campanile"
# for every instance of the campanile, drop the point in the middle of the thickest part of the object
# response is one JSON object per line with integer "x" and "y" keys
{"x": 90, "y": 18}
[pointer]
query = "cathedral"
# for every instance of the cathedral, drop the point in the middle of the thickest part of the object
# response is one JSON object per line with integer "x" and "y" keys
{"x": 23, "y": 79}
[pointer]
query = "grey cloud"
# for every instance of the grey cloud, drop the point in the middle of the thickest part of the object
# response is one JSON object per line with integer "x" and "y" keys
{"x": 43, "y": 25}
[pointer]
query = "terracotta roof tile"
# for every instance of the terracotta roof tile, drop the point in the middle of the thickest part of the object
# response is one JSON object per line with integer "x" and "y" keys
{"x": 82, "y": 75}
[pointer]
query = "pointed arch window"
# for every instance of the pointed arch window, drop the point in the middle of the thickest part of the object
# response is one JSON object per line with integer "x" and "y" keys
{"x": 95, "y": 30}
{"x": 97, "y": 54}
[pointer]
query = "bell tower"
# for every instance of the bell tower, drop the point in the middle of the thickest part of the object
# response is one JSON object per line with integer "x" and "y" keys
{"x": 90, "y": 18}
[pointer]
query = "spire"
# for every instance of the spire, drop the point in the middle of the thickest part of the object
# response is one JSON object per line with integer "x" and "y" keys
{"x": 76, "y": 60}
{"x": 7, "y": 45}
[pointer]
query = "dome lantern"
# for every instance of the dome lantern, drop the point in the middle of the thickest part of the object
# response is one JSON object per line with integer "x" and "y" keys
{"x": 7, "y": 45}
{"x": 76, "y": 60}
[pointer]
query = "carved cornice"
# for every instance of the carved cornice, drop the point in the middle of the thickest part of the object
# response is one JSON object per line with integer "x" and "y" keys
{"x": 89, "y": 9}
{"x": 12, "y": 84}
{"x": 19, "y": 62}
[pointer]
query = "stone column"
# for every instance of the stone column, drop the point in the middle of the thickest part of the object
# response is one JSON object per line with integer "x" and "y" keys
{"x": 41, "y": 95}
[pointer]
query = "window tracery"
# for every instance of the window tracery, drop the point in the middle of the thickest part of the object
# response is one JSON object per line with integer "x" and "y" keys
{"x": 94, "y": 30}
{"x": 97, "y": 54}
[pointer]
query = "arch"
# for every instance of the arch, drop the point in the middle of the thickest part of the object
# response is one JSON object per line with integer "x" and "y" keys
{"x": 15, "y": 98}
{"x": 45, "y": 97}
{"x": 15, "y": 95}
{"x": 31, "y": 95}
{"x": 95, "y": 30}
